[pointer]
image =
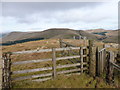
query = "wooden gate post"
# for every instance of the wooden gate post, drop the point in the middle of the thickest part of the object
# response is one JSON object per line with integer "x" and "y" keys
{"x": 81, "y": 59}
{"x": 104, "y": 61}
{"x": 110, "y": 69}
{"x": 54, "y": 62}
{"x": 97, "y": 62}
{"x": 92, "y": 58}
{"x": 9, "y": 69}
{"x": 3, "y": 71}
{"x": 6, "y": 73}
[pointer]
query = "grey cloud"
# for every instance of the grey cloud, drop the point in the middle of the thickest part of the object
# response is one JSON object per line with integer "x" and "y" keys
{"x": 26, "y": 8}
{"x": 22, "y": 10}
{"x": 38, "y": 16}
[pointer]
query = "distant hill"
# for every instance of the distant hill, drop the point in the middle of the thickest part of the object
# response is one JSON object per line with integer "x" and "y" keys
{"x": 105, "y": 35}
{"x": 98, "y": 30}
{"x": 18, "y": 37}
{"x": 112, "y": 36}
{"x": 3, "y": 34}
{"x": 65, "y": 33}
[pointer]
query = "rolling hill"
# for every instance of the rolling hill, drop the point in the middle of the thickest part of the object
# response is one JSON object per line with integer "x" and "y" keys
{"x": 18, "y": 37}
{"x": 110, "y": 36}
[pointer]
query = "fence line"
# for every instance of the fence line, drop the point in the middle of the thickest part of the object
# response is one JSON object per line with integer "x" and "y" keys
{"x": 54, "y": 59}
{"x": 95, "y": 63}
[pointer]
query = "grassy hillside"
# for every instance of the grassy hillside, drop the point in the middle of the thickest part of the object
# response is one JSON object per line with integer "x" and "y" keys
{"x": 109, "y": 36}
{"x": 18, "y": 37}
{"x": 98, "y": 30}
{"x": 45, "y": 44}
{"x": 95, "y": 34}
{"x": 42, "y": 44}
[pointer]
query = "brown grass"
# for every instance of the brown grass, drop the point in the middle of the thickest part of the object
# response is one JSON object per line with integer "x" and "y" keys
{"x": 62, "y": 81}
{"x": 44, "y": 44}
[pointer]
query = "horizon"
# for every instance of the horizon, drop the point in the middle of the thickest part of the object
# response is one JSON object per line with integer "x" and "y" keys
{"x": 54, "y": 28}
{"x": 39, "y": 16}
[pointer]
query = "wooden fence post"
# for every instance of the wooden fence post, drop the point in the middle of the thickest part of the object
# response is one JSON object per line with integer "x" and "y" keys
{"x": 3, "y": 71}
{"x": 6, "y": 73}
{"x": 85, "y": 42}
{"x": 105, "y": 61}
{"x": 81, "y": 59}
{"x": 97, "y": 62}
{"x": 110, "y": 69}
{"x": 9, "y": 69}
{"x": 92, "y": 58}
{"x": 101, "y": 63}
{"x": 61, "y": 44}
{"x": 54, "y": 62}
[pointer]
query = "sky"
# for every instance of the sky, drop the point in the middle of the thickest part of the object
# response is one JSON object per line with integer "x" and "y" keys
{"x": 39, "y": 16}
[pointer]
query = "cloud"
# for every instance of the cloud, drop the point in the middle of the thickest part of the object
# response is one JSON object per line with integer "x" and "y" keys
{"x": 26, "y": 8}
{"x": 41, "y": 16}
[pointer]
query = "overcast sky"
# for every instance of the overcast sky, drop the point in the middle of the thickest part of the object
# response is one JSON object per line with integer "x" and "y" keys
{"x": 38, "y": 16}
